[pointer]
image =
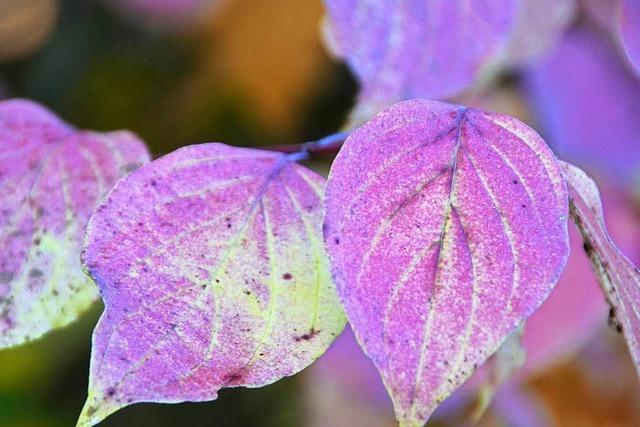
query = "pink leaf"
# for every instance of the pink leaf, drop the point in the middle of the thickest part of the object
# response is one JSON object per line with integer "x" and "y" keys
{"x": 629, "y": 27}
{"x": 213, "y": 273}
{"x": 619, "y": 278}
{"x": 446, "y": 228}
{"x": 416, "y": 48}
{"x": 51, "y": 178}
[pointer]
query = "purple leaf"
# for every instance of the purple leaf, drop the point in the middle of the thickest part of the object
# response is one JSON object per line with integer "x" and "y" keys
{"x": 619, "y": 278}
{"x": 592, "y": 118}
{"x": 213, "y": 272}
{"x": 416, "y": 48}
{"x": 446, "y": 228}
{"x": 629, "y": 21}
{"x": 572, "y": 314}
{"x": 51, "y": 178}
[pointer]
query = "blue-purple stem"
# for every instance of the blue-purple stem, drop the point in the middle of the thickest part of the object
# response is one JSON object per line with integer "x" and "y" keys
{"x": 328, "y": 144}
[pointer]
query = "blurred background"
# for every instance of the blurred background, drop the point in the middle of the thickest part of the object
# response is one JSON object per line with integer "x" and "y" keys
{"x": 256, "y": 73}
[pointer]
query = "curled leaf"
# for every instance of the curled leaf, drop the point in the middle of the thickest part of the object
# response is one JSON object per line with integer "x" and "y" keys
{"x": 416, "y": 48}
{"x": 446, "y": 228}
{"x": 213, "y": 272}
{"x": 618, "y": 276}
{"x": 51, "y": 178}
{"x": 629, "y": 27}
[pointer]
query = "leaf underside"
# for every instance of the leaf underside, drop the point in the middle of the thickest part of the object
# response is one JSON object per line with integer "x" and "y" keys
{"x": 211, "y": 264}
{"x": 453, "y": 234}
{"x": 618, "y": 276}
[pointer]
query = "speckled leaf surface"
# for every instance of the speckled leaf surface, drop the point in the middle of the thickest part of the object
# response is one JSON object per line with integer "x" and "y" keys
{"x": 629, "y": 27}
{"x": 618, "y": 276}
{"x": 446, "y": 227}
{"x": 400, "y": 49}
{"x": 212, "y": 268}
{"x": 51, "y": 178}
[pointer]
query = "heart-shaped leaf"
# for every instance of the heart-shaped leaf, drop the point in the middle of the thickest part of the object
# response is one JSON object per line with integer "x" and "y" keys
{"x": 619, "y": 278}
{"x": 213, "y": 272}
{"x": 592, "y": 118}
{"x": 401, "y": 49}
{"x": 446, "y": 228}
{"x": 51, "y": 178}
{"x": 629, "y": 27}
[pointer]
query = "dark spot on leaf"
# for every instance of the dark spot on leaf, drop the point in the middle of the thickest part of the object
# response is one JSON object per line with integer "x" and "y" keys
{"x": 35, "y": 272}
{"x": 588, "y": 247}
{"x": 111, "y": 391}
{"x": 515, "y": 181}
{"x": 336, "y": 240}
{"x": 233, "y": 378}
{"x": 613, "y": 320}
{"x": 308, "y": 336}
{"x": 287, "y": 276}
{"x": 6, "y": 276}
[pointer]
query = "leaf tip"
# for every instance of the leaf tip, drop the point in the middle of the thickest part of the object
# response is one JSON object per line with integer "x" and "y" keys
{"x": 97, "y": 407}
{"x": 410, "y": 422}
